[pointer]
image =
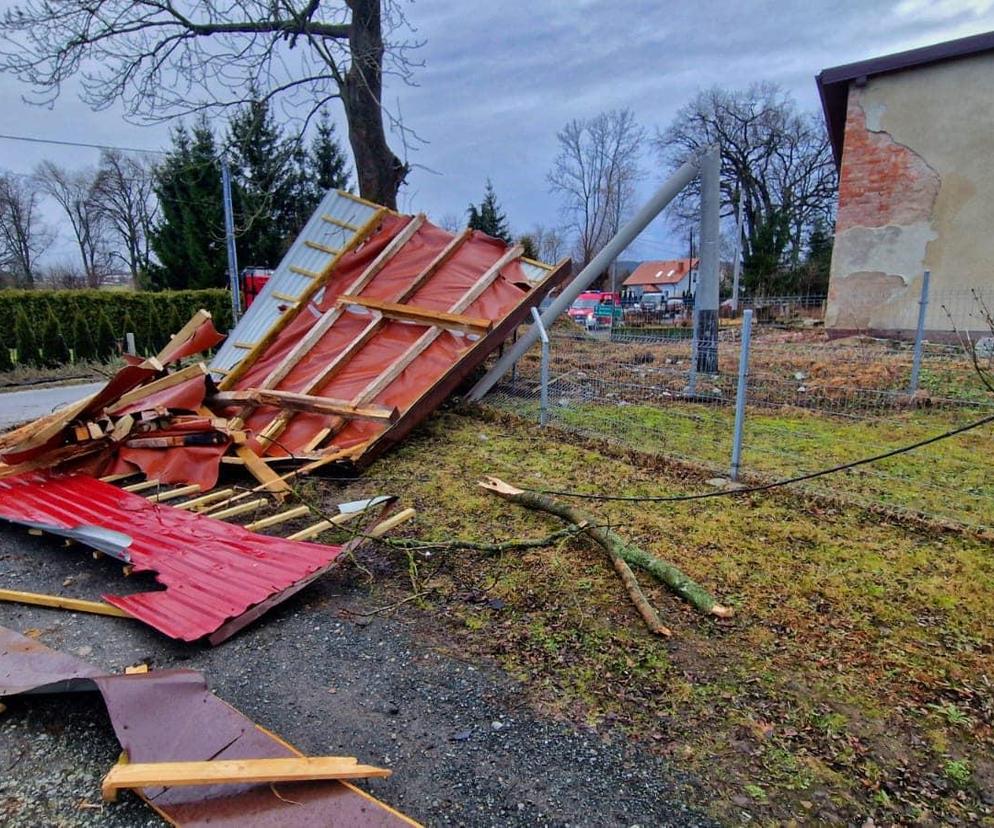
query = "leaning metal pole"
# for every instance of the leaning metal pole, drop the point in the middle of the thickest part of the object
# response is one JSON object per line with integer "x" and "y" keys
{"x": 624, "y": 237}
{"x": 706, "y": 296}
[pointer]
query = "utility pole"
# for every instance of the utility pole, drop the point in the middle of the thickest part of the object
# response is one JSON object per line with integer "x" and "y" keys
{"x": 737, "y": 261}
{"x": 706, "y": 296}
{"x": 229, "y": 235}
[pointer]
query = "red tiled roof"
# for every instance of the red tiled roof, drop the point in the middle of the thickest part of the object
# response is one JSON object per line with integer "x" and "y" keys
{"x": 668, "y": 272}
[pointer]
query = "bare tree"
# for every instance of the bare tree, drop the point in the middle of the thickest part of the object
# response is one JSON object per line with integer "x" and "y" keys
{"x": 595, "y": 173}
{"x": 550, "y": 241}
{"x": 23, "y": 237}
{"x": 124, "y": 196}
{"x": 75, "y": 193}
{"x": 779, "y": 157}
{"x": 163, "y": 58}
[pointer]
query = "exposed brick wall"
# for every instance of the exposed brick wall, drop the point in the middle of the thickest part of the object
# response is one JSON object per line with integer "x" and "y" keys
{"x": 881, "y": 182}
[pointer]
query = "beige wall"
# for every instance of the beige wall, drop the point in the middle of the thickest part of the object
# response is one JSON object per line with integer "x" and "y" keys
{"x": 916, "y": 192}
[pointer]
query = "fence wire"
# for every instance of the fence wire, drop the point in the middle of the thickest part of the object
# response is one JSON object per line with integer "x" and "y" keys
{"x": 812, "y": 402}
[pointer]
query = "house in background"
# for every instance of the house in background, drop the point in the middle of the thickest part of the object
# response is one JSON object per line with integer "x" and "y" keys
{"x": 671, "y": 279}
{"x": 913, "y": 137}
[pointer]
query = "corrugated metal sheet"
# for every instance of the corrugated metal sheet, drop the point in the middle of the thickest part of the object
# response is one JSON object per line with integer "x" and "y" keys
{"x": 171, "y": 715}
{"x": 213, "y": 571}
{"x": 263, "y": 312}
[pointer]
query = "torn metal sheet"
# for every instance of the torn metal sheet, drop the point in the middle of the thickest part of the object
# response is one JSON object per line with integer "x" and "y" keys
{"x": 216, "y": 575}
{"x": 171, "y": 715}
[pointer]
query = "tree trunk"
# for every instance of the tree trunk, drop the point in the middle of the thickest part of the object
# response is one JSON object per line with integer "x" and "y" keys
{"x": 687, "y": 588}
{"x": 379, "y": 172}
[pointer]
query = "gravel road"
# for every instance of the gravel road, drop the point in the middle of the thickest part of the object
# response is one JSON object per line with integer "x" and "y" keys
{"x": 464, "y": 745}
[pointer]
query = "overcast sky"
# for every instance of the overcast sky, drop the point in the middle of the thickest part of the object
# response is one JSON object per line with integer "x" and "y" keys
{"x": 500, "y": 78}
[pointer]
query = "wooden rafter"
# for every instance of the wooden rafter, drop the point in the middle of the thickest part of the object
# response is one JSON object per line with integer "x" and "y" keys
{"x": 422, "y": 316}
{"x": 304, "y": 402}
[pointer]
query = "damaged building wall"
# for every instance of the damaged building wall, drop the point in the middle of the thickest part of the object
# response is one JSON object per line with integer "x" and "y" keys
{"x": 915, "y": 193}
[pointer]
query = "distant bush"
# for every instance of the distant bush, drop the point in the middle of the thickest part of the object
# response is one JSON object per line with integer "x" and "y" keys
{"x": 92, "y": 323}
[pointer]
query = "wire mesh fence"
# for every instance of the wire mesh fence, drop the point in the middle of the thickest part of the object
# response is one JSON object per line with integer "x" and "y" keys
{"x": 811, "y": 402}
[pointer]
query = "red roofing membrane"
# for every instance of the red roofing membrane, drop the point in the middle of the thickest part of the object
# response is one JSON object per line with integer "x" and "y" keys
{"x": 213, "y": 571}
{"x": 439, "y": 293}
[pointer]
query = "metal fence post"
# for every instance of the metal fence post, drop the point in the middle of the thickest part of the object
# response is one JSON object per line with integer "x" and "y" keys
{"x": 543, "y": 415}
{"x": 740, "y": 394}
{"x": 916, "y": 362}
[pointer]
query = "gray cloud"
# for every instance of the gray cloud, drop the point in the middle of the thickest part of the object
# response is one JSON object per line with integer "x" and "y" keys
{"x": 501, "y": 78}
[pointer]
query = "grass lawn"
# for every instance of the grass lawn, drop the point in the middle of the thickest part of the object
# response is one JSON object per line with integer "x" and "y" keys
{"x": 854, "y": 680}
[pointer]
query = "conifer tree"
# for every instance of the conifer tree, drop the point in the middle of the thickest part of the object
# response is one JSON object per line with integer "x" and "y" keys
{"x": 488, "y": 217}
{"x": 105, "y": 343}
{"x": 24, "y": 336}
{"x": 81, "y": 338}
{"x": 189, "y": 236}
{"x": 54, "y": 351}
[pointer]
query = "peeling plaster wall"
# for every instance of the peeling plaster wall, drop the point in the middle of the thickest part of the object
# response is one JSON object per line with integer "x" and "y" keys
{"x": 916, "y": 192}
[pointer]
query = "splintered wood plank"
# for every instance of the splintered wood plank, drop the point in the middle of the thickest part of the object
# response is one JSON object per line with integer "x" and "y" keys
{"x": 234, "y": 771}
{"x": 391, "y": 523}
{"x": 259, "y": 347}
{"x": 59, "y": 602}
{"x": 183, "y": 334}
{"x": 422, "y": 316}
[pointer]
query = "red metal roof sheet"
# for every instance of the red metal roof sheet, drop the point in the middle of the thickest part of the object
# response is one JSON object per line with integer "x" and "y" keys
{"x": 213, "y": 571}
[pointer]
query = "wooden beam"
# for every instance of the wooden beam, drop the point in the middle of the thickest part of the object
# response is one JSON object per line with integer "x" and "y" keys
{"x": 331, "y": 251}
{"x": 58, "y": 602}
{"x": 283, "y": 297}
{"x": 337, "y": 222}
{"x": 200, "y": 503}
{"x": 391, "y": 523}
{"x": 258, "y": 397}
{"x": 172, "y": 494}
{"x": 269, "y": 479}
{"x": 182, "y": 335}
{"x": 234, "y": 771}
{"x": 279, "y": 517}
{"x": 423, "y": 316}
{"x": 198, "y": 369}
{"x": 259, "y": 347}
{"x": 316, "y": 529}
{"x": 240, "y": 509}
{"x": 142, "y": 486}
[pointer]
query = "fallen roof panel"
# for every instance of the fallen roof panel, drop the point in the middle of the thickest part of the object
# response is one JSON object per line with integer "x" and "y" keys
{"x": 171, "y": 715}
{"x": 215, "y": 573}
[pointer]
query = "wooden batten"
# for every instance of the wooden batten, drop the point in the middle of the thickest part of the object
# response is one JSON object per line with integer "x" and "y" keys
{"x": 422, "y": 316}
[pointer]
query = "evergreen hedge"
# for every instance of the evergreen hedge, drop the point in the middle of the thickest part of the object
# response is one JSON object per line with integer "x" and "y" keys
{"x": 43, "y": 325}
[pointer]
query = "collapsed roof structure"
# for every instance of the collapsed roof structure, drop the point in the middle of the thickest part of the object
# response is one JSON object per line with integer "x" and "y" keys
{"x": 370, "y": 321}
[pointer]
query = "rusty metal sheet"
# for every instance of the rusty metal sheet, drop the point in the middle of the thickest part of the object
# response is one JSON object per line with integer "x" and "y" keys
{"x": 171, "y": 715}
{"x": 214, "y": 572}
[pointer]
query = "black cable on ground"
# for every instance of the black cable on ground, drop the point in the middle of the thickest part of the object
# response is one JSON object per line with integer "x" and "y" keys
{"x": 766, "y": 486}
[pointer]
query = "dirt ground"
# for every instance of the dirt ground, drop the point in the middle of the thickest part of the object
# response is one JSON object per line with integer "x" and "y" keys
{"x": 853, "y": 685}
{"x": 465, "y": 746}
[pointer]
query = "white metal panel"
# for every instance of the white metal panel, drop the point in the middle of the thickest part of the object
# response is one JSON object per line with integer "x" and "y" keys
{"x": 265, "y": 309}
